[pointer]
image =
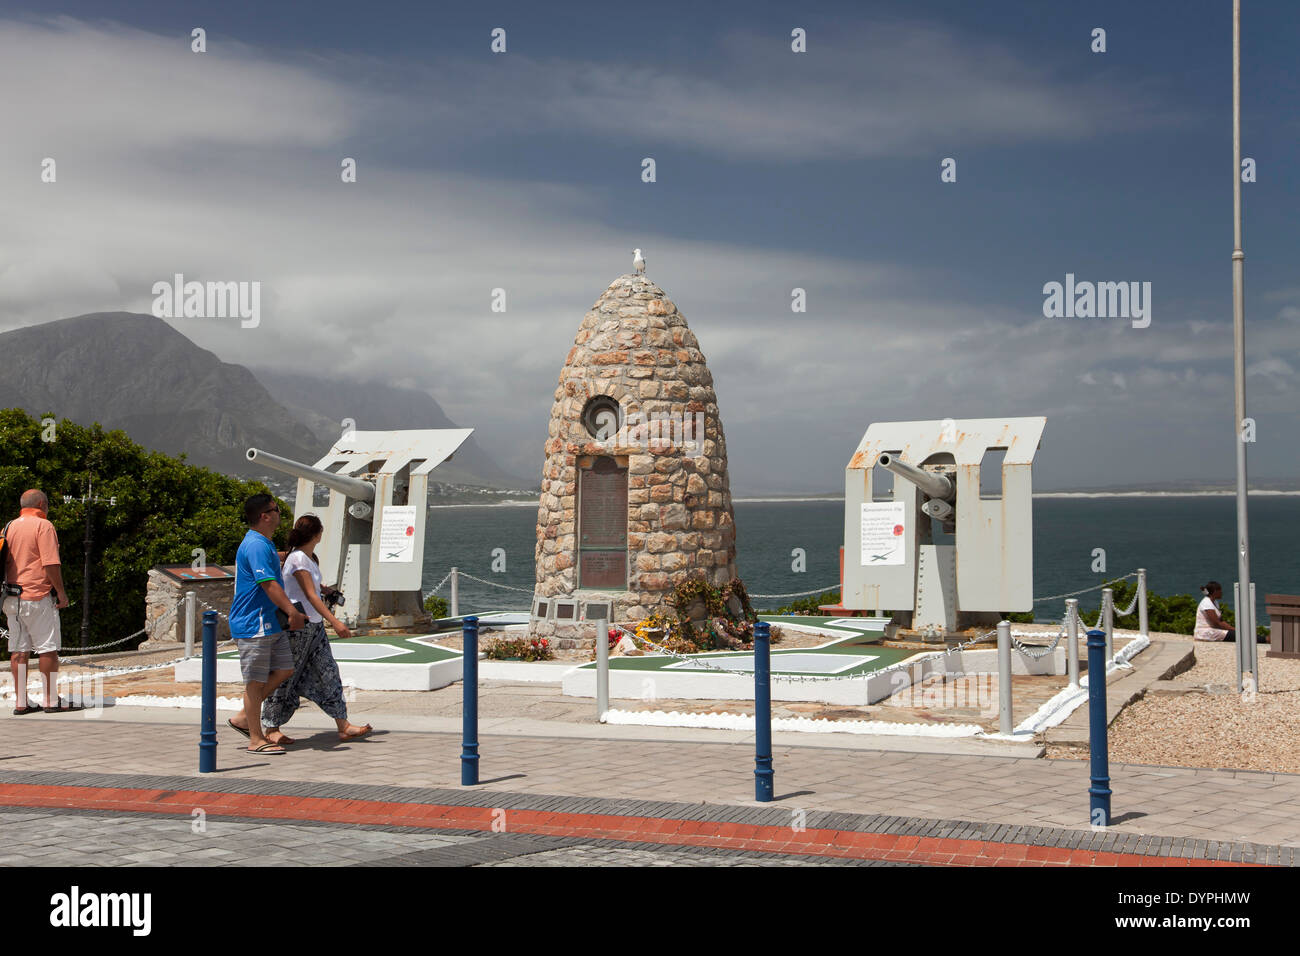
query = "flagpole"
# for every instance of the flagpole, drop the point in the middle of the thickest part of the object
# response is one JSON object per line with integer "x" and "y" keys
{"x": 1246, "y": 656}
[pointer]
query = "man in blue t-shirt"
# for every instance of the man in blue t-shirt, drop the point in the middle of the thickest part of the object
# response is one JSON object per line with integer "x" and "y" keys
{"x": 265, "y": 658}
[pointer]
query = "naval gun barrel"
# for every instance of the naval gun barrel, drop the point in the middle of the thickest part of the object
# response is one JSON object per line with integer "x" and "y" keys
{"x": 354, "y": 488}
{"x": 934, "y": 486}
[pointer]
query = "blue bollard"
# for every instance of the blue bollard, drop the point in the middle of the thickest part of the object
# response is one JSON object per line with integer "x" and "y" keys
{"x": 763, "y": 775}
{"x": 208, "y": 720}
{"x": 1099, "y": 792}
{"x": 469, "y": 680}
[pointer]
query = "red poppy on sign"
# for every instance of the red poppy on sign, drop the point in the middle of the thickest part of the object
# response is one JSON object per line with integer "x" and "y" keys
{"x": 410, "y": 531}
{"x": 898, "y": 529}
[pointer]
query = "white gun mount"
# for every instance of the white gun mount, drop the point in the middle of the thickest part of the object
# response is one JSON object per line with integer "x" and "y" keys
{"x": 978, "y": 563}
{"x": 375, "y": 522}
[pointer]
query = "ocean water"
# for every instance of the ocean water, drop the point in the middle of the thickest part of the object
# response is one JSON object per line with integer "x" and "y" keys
{"x": 1181, "y": 541}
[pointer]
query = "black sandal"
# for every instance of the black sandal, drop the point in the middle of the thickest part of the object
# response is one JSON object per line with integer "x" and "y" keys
{"x": 64, "y": 708}
{"x": 29, "y": 709}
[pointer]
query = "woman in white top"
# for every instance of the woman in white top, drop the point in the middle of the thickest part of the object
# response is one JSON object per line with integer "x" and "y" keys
{"x": 315, "y": 672}
{"x": 1209, "y": 625}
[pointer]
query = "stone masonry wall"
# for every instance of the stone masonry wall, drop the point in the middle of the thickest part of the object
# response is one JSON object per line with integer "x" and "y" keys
{"x": 161, "y": 595}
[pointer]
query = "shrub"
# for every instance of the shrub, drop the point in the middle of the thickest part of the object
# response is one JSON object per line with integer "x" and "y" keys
{"x": 521, "y": 648}
{"x": 810, "y": 605}
{"x": 1175, "y": 614}
{"x": 436, "y": 606}
{"x": 164, "y": 510}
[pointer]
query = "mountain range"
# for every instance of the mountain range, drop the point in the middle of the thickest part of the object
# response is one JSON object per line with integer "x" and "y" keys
{"x": 136, "y": 373}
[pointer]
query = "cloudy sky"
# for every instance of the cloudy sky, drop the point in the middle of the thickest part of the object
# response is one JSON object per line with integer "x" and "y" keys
{"x": 775, "y": 170}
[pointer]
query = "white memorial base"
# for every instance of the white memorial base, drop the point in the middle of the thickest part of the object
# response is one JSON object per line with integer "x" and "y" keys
{"x": 673, "y": 683}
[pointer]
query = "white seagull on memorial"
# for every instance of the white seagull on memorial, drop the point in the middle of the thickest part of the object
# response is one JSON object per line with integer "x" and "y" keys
{"x": 638, "y": 263}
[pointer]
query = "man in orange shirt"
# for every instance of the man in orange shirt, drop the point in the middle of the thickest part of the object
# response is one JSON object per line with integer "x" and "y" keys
{"x": 32, "y": 563}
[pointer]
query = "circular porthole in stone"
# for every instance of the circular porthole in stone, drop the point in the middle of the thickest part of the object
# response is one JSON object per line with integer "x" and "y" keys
{"x": 600, "y": 417}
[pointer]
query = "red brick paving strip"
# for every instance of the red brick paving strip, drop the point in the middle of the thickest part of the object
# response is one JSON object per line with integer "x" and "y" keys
{"x": 851, "y": 844}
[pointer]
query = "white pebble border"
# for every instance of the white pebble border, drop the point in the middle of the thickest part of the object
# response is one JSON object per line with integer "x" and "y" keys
{"x": 147, "y": 700}
{"x": 724, "y": 721}
{"x": 140, "y": 700}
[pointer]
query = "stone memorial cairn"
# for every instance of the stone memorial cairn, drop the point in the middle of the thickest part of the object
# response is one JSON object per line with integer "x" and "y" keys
{"x": 635, "y": 497}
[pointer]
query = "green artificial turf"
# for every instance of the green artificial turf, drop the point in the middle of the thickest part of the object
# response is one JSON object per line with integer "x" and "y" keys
{"x": 854, "y": 643}
{"x": 419, "y": 653}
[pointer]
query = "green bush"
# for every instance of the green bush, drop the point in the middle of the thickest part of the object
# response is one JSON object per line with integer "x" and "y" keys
{"x": 1175, "y": 614}
{"x": 518, "y": 648}
{"x": 164, "y": 510}
{"x": 436, "y": 606}
{"x": 809, "y": 605}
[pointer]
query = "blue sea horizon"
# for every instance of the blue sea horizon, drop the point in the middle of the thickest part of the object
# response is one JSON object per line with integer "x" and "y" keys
{"x": 1182, "y": 540}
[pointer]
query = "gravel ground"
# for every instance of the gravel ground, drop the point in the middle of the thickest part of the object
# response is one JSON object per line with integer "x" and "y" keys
{"x": 1217, "y": 730}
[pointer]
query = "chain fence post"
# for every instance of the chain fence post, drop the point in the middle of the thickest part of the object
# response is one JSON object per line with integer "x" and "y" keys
{"x": 1004, "y": 677}
{"x": 764, "y": 777}
{"x": 208, "y": 718}
{"x": 1252, "y": 642}
{"x": 1142, "y": 602}
{"x": 189, "y": 624}
{"x": 1108, "y": 620}
{"x": 1072, "y": 626}
{"x": 602, "y": 662}
{"x": 455, "y": 593}
{"x": 469, "y": 708}
{"x": 1241, "y": 652}
{"x": 1099, "y": 792}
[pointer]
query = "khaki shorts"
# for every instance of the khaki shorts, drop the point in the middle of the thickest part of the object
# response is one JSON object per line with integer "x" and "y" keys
{"x": 258, "y": 656}
{"x": 33, "y": 625}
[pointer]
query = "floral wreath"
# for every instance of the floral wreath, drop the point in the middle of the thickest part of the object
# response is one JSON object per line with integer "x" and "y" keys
{"x": 721, "y": 619}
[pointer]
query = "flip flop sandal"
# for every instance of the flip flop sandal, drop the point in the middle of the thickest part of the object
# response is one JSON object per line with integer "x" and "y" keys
{"x": 235, "y": 726}
{"x": 64, "y": 708}
{"x": 29, "y": 709}
{"x": 271, "y": 750}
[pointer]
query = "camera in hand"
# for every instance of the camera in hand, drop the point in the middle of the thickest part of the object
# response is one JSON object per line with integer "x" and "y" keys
{"x": 283, "y": 618}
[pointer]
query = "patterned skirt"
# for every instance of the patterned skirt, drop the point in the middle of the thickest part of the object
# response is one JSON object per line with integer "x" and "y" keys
{"x": 315, "y": 676}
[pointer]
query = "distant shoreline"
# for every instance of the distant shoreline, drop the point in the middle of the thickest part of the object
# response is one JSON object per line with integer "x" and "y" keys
{"x": 1257, "y": 493}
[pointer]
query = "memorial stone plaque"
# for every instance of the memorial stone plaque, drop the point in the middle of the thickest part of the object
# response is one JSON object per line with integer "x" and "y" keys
{"x": 602, "y": 526}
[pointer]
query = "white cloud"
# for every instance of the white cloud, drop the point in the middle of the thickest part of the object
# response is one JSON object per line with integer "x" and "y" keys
{"x": 226, "y": 167}
{"x": 881, "y": 88}
{"x": 92, "y": 91}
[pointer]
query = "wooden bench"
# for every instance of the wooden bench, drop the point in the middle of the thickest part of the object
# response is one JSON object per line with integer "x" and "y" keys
{"x": 1283, "y": 624}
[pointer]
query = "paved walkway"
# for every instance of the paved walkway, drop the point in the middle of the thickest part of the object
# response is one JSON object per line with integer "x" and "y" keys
{"x": 617, "y": 800}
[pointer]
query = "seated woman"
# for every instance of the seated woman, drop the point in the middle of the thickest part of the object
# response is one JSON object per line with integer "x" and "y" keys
{"x": 315, "y": 672}
{"x": 1210, "y": 626}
